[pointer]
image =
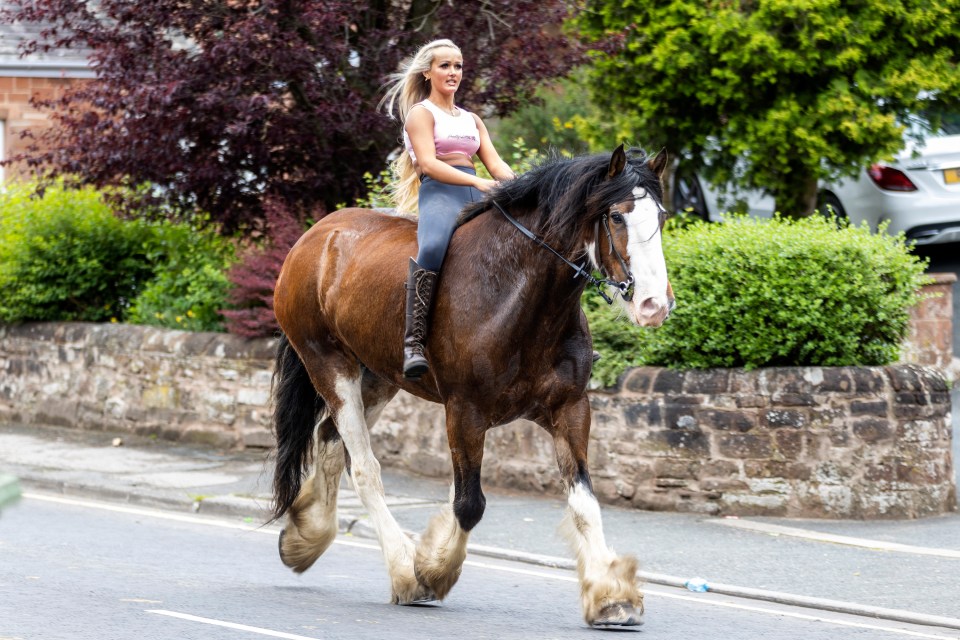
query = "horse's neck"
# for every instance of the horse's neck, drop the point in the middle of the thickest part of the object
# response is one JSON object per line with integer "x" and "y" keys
{"x": 516, "y": 265}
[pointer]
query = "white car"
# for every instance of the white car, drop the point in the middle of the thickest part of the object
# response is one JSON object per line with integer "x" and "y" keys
{"x": 919, "y": 192}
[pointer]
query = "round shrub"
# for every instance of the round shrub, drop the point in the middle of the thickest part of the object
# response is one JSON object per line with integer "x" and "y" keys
{"x": 65, "y": 256}
{"x": 759, "y": 293}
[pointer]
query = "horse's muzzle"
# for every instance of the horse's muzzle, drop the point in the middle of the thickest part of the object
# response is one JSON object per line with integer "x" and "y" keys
{"x": 652, "y": 311}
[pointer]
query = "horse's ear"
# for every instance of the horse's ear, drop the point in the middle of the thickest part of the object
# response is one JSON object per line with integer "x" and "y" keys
{"x": 658, "y": 163}
{"x": 617, "y": 162}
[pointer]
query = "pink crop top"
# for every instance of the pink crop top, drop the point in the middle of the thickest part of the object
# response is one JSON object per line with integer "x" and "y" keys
{"x": 451, "y": 134}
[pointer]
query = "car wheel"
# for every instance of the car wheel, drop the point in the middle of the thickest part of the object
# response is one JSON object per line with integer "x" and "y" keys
{"x": 829, "y": 205}
{"x": 688, "y": 195}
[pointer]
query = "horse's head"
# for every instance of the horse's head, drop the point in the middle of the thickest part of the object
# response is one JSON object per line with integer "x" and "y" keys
{"x": 627, "y": 242}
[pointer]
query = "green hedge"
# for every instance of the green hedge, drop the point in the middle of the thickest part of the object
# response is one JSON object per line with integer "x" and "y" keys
{"x": 749, "y": 293}
{"x": 758, "y": 293}
{"x": 64, "y": 256}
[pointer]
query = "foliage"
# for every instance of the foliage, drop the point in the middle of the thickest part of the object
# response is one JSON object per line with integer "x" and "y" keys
{"x": 254, "y": 276}
{"x": 377, "y": 189}
{"x": 758, "y": 293}
{"x": 614, "y": 337}
{"x": 776, "y": 94}
{"x": 222, "y": 105}
{"x": 550, "y": 121}
{"x": 518, "y": 155}
{"x": 66, "y": 257}
{"x": 191, "y": 286}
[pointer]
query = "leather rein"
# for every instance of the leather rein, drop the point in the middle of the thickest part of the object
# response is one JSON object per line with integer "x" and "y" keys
{"x": 624, "y": 288}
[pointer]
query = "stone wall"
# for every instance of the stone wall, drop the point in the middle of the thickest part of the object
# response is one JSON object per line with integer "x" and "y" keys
{"x": 196, "y": 387}
{"x": 930, "y": 335}
{"x": 812, "y": 442}
{"x": 838, "y": 442}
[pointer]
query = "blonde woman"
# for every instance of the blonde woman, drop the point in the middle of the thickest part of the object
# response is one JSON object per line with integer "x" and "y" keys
{"x": 435, "y": 174}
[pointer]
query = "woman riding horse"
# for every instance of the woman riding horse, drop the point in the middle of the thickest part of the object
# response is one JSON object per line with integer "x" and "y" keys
{"x": 440, "y": 140}
{"x": 513, "y": 343}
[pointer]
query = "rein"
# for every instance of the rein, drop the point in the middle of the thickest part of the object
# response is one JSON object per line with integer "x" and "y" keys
{"x": 625, "y": 288}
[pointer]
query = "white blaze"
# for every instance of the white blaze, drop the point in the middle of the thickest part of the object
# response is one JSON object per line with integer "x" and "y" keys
{"x": 645, "y": 253}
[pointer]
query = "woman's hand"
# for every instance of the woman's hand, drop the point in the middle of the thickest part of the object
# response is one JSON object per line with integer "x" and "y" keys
{"x": 485, "y": 185}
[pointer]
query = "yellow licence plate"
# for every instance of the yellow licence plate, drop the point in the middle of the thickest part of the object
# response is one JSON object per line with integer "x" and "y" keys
{"x": 951, "y": 176}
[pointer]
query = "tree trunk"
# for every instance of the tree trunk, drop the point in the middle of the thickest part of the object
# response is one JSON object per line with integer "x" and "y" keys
{"x": 799, "y": 198}
{"x": 669, "y": 179}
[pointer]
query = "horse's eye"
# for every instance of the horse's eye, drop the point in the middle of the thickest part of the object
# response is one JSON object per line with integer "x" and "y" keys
{"x": 617, "y": 218}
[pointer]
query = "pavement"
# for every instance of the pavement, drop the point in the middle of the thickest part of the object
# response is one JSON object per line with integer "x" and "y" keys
{"x": 903, "y": 570}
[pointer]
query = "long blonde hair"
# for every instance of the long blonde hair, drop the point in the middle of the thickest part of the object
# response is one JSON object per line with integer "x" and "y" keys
{"x": 406, "y": 88}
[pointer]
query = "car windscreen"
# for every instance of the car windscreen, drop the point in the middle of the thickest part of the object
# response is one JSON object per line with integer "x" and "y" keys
{"x": 935, "y": 121}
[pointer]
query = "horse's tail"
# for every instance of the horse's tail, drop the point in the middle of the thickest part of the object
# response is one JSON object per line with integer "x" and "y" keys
{"x": 296, "y": 408}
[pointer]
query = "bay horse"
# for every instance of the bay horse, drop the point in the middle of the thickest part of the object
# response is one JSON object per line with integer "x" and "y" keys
{"x": 508, "y": 340}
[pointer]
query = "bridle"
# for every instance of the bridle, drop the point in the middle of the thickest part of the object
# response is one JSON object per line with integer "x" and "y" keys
{"x": 624, "y": 288}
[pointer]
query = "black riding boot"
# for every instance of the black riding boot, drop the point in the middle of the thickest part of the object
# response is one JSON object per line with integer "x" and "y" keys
{"x": 420, "y": 286}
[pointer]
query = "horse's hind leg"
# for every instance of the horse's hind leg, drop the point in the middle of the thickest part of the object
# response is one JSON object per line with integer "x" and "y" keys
{"x": 312, "y": 520}
{"x": 610, "y": 592}
{"x": 312, "y": 523}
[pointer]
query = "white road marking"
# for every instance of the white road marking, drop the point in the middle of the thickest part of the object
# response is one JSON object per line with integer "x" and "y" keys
{"x": 700, "y": 599}
{"x": 230, "y": 625}
{"x": 141, "y": 600}
{"x": 817, "y": 536}
{"x": 803, "y": 616}
{"x": 703, "y": 599}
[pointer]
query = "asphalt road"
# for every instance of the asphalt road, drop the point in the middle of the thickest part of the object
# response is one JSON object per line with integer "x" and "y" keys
{"x": 75, "y": 570}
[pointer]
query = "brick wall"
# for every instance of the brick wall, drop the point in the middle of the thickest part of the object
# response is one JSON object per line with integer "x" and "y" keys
{"x": 18, "y": 115}
{"x": 930, "y": 336}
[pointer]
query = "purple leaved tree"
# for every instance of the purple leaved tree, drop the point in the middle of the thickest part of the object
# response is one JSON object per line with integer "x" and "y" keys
{"x": 222, "y": 106}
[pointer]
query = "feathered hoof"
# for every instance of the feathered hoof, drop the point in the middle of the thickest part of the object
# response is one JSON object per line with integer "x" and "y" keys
{"x": 436, "y": 577}
{"x": 300, "y": 554}
{"x": 418, "y": 595}
{"x": 618, "y": 614}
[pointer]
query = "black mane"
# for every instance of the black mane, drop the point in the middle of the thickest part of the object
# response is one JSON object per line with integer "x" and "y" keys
{"x": 560, "y": 197}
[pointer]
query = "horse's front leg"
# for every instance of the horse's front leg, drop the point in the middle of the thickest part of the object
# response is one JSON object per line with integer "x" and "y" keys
{"x": 443, "y": 546}
{"x": 347, "y": 408}
{"x": 609, "y": 587}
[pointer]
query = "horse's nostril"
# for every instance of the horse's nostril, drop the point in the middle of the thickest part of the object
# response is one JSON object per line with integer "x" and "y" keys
{"x": 650, "y": 307}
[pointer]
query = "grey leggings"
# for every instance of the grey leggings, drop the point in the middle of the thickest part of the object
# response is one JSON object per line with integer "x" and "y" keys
{"x": 440, "y": 205}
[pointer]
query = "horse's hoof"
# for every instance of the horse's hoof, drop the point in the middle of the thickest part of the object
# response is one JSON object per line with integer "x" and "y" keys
{"x": 620, "y": 614}
{"x": 426, "y": 598}
{"x": 423, "y": 595}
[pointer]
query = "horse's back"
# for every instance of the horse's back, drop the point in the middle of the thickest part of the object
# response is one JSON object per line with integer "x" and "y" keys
{"x": 344, "y": 279}
{"x": 360, "y": 235}
{"x": 347, "y": 241}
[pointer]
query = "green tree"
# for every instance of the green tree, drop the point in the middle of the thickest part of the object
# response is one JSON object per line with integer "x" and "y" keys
{"x": 774, "y": 94}
{"x": 550, "y": 121}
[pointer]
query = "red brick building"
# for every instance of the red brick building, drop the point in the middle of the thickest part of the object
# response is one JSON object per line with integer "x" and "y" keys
{"x": 42, "y": 75}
